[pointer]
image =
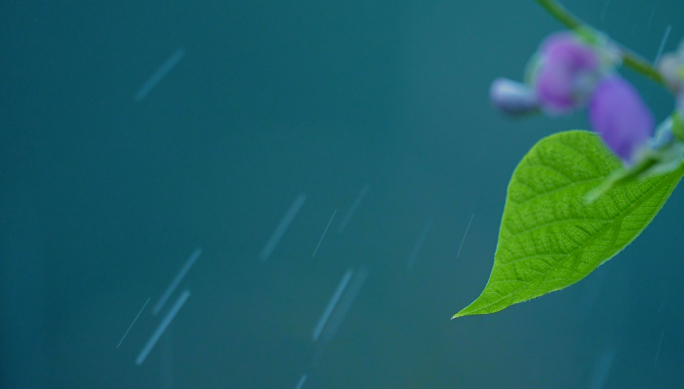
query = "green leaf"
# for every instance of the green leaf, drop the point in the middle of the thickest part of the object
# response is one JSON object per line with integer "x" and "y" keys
{"x": 550, "y": 237}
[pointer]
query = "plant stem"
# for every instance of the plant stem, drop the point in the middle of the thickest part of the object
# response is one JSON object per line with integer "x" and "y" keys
{"x": 630, "y": 59}
{"x": 560, "y": 13}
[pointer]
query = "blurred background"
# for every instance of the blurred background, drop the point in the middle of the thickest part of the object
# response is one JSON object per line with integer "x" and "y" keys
{"x": 133, "y": 134}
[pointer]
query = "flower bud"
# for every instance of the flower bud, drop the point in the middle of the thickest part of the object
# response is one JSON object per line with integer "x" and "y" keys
{"x": 672, "y": 70}
{"x": 671, "y": 66}
{"x": 663, "y": 135}
{"x": 512, "y": 97}
{"x": 619, "y": 115}
{"x": 665, "y": 149}
{"x": 567, "y": 73}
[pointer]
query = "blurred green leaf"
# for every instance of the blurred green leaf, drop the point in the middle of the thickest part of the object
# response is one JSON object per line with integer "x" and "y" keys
{"x": 550, "y": 237}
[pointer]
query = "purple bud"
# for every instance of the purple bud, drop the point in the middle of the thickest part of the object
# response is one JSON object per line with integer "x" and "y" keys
{"x": 512, "y": 97}
{"x": 567, "y": 73}
{"x": 620, "y": 116}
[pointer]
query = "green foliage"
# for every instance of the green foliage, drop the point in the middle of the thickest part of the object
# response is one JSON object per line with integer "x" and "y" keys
{"x": 678, "y": 126}
{"x": 550, "y": 237}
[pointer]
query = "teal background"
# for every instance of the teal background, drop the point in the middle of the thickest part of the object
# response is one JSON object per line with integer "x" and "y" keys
{"x": 102, "y": 199}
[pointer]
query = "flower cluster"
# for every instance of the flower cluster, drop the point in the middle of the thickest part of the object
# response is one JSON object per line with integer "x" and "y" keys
{"x": 578, "y": 70}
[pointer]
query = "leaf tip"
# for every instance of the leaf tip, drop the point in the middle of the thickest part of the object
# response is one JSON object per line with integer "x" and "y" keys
{"x": 463, "y": 312}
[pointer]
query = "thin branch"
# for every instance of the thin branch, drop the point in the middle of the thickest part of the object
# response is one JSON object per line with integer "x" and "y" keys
{"x": 630, "y": 59}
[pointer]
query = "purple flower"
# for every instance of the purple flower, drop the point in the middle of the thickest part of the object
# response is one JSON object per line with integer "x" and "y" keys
{"x": 567, "y": 73}
{"x": 512, "y": 97}
{"x": 620, "y": 116}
